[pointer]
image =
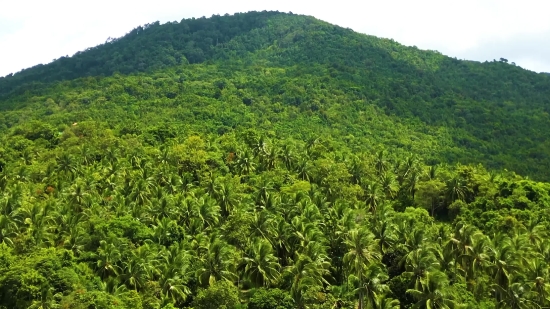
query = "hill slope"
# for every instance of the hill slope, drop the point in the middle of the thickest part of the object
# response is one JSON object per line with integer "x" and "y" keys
{"x": 294, "y": 165}
{"x": 496, "y": 113}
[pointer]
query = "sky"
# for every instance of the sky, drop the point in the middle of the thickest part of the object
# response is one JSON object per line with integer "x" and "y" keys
{"x": 38, "y": 31}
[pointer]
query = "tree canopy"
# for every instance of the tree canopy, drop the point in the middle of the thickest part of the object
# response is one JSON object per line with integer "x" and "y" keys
{"x": 270, "y": 160}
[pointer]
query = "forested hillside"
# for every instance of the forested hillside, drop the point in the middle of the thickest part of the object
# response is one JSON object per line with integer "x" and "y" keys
{"x": 269, "y": 160}
{"x": 493, "y": 111}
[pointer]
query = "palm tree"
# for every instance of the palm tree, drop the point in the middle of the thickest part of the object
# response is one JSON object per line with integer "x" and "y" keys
{"x": 141, "y": 191}
{"x": 78, "y": 198}
{"x": 384, "y": 233}
{"x": 287, "y": 156}
{"x": 537, "y": 276}
{"x": 227, "y": 198}
{"x": 134, "y": 272}
{"x": 381, "y": 165}
{"x": 414, "y": 240}
{"x": 4, "y": 179}
{"x": 280, "y": 240}
{"x": 259, "y": 146}
{"x": 356, "y": 170}
{"x": 418, "y": 264}
{"x": 164, "y": 231}
{"x": 433, "y": 292}
{"x": 108, "y": 257}
{"x": 38, "y": 221}
{"x": 455, "y": 189}
{"x": 66, "y": 166}
{"x": 161, "y": 208}
{"x": 362, "y": 252}
{"x": 373, "y": 196}
{"x": 302, "y": 233}
{"x": 388, "y": 185}
{"x": 385, "y": 302}
{"x": 46, "y": 300}
{"x": 216, "y": 264}
{"x": 477, "y": 259}
{"x": 432, "y": 172}
{"x": 7, "y": 229}
{"x": 263, "y": 225}
{"x": 86, "y": 154}
{"x": 207, "y": 211}
{"x": 263, "y": 193}
{"x": 410, "y": 184}
{"x": 304, "y": 170}
{"x": 245, "y": 164}
{"x": 460, "y": 242}
{"x": 372, "y": 285}
{"x": 503, "y": 267}
{"x": 517, "y": 295}
{"x": 305, "y": 274}
{"x": 113, "y": 286}
{"x": 74, "y": 239}
{"x": 259, "y": 265}
{"x": 269, "y": 159}
{"x": 173, "y": 273}
{"x": 534, "y": 232}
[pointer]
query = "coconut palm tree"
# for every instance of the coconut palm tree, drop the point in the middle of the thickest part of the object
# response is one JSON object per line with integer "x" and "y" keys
{"x": 173, "y": 273}
{"x": 372, "y": 285}
{"x": 287, "y": 156}
{"x": 537, "y": 277}
{"x": 433, "y": 292}
{"x": 383, "y": 232}
{"x": 516, "y": 295}
{"x": 207, "y": 211}
{"x": 134, "y": 273}
{"x": 362, "y": 252}
{"x": 304, "y": 170}
{"x": 8, "y": 228}
{"x": 67, "y": 166}
{"x": 455, "y": 189}
{"x": 216, "y": 264}
{"x": 385, "y": 302}
{"x": 245, "y": 164}
{"x": 381, "y": 164}
{"x": 502, "y": 264}
{"x": 227, "y": 198}
{"x": 305, "y": 274}
{"x": 418, "y": 264}
{"x": 388, "y": 185}
{"x": 74, "y": 239}
{"x": 476, "y": 260}
{"x": 108, "y": 256}
{"x": 373, "y": 196}
{"x": 259, "y": 265}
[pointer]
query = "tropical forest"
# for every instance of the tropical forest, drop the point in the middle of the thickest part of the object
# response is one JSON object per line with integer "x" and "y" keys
{"x": 269, "y": 160}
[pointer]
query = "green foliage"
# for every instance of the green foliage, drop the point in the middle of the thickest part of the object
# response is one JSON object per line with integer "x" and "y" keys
{"x": 271, "y": 160}
{"x": 222, "y": 294}
{"x": 291, "y": 72}
{"x": 270, "y": 299}
{"x": 101, "y": 300}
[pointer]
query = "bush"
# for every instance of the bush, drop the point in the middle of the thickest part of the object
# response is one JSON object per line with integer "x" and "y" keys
{"x": 270, "y": 299}
{"x": 222, "y": 295}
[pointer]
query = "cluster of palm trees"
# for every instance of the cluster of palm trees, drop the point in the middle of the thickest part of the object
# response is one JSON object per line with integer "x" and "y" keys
{"x": 301, "y": 218}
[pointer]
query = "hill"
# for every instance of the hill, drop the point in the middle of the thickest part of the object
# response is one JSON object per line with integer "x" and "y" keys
{"x": 493, "y": 111}
{"x": 270, "y": 160}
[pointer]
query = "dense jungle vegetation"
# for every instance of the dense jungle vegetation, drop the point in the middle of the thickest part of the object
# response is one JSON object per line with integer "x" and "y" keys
{"x": 269, "y": 160}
